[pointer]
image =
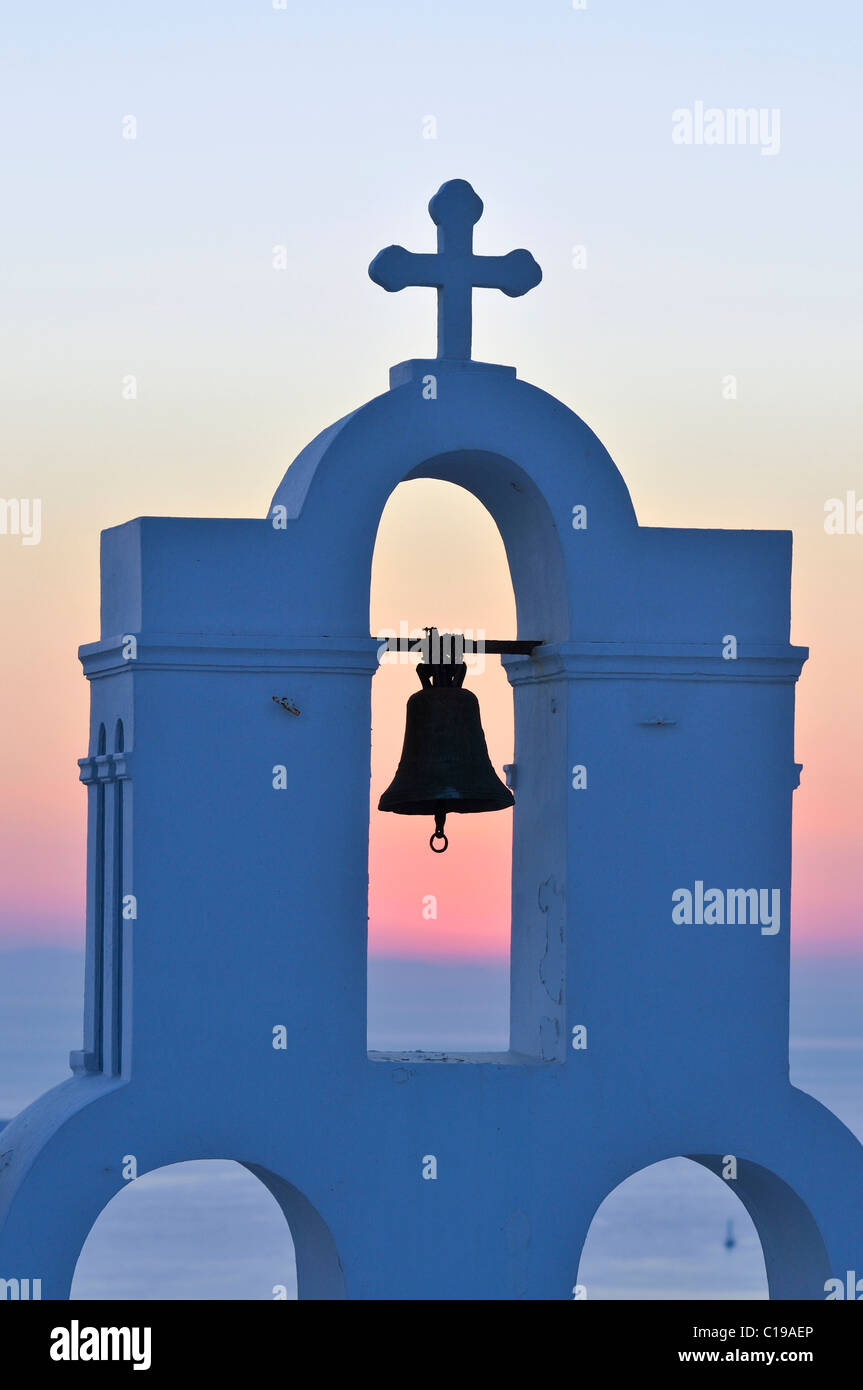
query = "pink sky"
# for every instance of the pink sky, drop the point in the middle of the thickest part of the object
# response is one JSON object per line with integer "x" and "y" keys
{"x": 44, "y": 718}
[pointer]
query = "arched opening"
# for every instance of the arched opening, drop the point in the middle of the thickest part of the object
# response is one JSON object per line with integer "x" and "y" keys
{"x": 673, "y": 1231}
{"x": 535, "y": 453}
{"x": 439, "y": 925}
{"x": 207, "y": 1229}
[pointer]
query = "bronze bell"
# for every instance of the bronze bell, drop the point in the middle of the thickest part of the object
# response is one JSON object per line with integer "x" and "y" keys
{"x": 444, "y": 764}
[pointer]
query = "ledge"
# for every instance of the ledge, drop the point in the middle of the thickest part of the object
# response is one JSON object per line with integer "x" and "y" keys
{"x": 105, "y": 767}
{"x": 216, "y": 652}
{"x": 415, "y": 368}
{"x": 773, "y": 662}
{"x": 499, "y": 1059}
{"x": 83, "y": 1063}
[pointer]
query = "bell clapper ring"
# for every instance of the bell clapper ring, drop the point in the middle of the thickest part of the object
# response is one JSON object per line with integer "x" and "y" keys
{"x": 439, "y": 819}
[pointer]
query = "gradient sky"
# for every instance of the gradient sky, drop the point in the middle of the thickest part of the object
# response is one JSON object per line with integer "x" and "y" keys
{"x": 303, "y": 127}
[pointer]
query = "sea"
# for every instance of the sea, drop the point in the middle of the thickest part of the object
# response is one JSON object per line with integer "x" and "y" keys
{"x": 210, "y": 1230}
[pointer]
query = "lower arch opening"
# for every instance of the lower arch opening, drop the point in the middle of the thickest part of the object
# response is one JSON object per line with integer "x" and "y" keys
{"x": 202, "y": 1229}
{"x": 672, "y": 1231}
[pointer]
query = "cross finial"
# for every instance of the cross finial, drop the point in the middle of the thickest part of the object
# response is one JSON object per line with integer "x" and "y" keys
{"x": 455, "y": 271}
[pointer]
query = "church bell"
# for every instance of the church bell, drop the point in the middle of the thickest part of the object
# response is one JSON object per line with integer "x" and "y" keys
{"x": 444, "y": 764}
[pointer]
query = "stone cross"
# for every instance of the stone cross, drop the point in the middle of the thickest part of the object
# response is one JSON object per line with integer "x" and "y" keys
{"x": 455, "y": 271}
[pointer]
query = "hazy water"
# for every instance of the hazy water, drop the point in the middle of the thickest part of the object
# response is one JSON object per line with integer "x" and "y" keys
{"x": 211, "y": 1230}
